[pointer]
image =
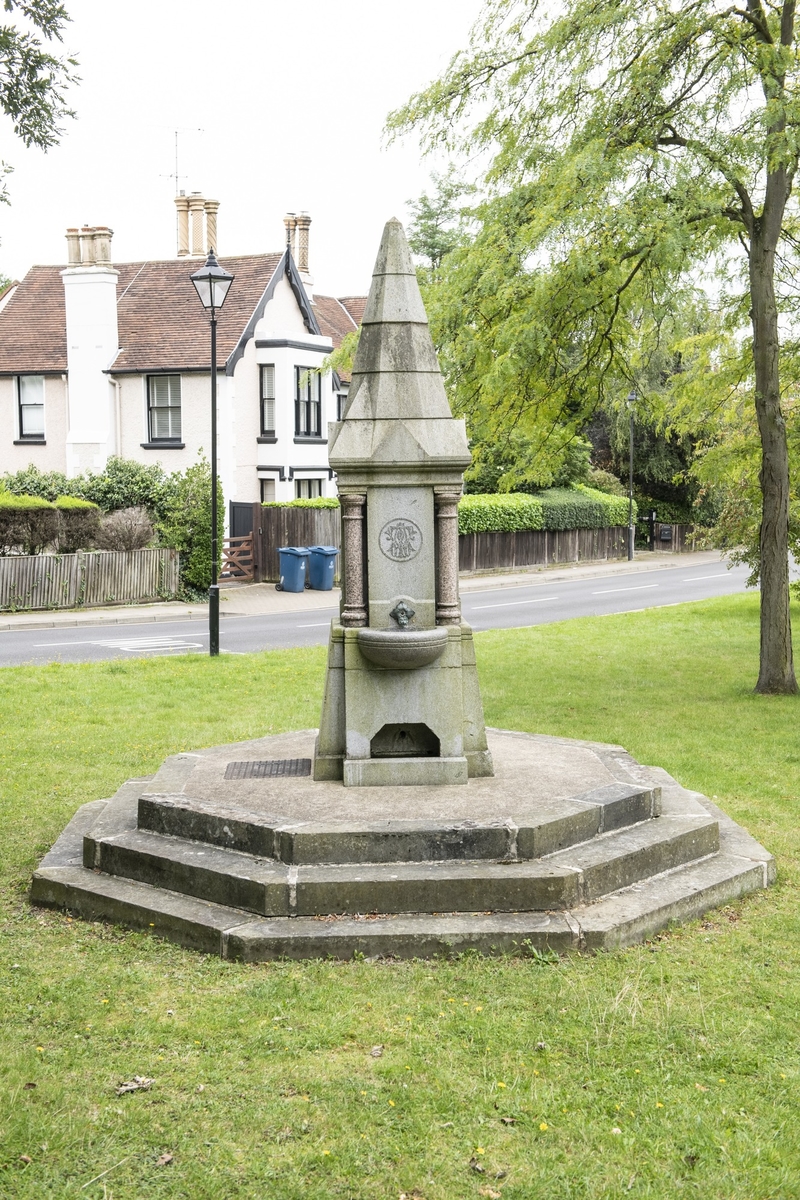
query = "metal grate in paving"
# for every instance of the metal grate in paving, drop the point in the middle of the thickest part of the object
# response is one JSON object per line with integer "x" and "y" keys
{"x": 268, "y": 770}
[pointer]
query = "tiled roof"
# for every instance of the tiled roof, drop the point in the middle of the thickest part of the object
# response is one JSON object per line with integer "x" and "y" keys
{"x": 334, "y": 320}
{"x": 33, "y": 334}
{"x": 162, "y": 326}
{"x": 338, "y": 318}
{"x": 355, "y": 306}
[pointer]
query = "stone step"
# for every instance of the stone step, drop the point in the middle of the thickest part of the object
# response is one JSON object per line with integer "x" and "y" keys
{"x": 620, "y": 919}
{"x": 556, "y": 826}
{"x": 270, "y": 888}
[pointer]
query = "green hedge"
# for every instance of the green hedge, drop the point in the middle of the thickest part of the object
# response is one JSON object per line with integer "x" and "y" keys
{"x": 501, "y": 512}
{"x": 27, "y": 524}
{"x": 575, "y": 507}
{"x": 318, "y": 502}
{"x": 79, "y": 524}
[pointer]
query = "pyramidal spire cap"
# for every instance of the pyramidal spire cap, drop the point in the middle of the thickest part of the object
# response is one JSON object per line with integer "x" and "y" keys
{"x": 397, "y": 410}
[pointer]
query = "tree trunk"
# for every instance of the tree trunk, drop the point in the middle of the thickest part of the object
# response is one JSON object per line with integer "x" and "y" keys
{"x": 776, "y": 673}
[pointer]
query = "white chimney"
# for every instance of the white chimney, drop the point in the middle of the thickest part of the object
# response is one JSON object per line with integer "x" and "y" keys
{"x": 197, "y": 224}
{"x": 90, "y": 301}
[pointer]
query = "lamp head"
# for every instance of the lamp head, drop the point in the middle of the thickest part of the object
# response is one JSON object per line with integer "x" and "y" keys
{"x": 212, "y": 282}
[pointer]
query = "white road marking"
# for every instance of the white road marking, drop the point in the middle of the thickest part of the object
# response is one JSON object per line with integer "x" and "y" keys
{"x": 692, "y": 578}
{"x": 315, "y": 625}
{"x": 515, "y": 603}
{"x": 639, "y": 588}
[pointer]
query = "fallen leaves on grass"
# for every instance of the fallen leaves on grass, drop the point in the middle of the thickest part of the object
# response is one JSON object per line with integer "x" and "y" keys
{"x": 139, "y": 1083}
{"x": 477, "y": 1166}
{"x": 490, "y": 1192}
{"x": 165, "y": 1159}
{"x": 376, "y": 1052}
{"x": 508, "y": 1120}
{"x": 26, "y": 1159}
{"x": 28, "y": 1086}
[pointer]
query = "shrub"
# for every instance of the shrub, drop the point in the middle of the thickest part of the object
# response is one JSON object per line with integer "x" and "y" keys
{"x": 27, "y": 523}
{"x": 79, "y": 522}
{"x": 186, "y": 524}
{"x": 604, "y": 481}
{"x": 126, "y": 529}
{"x": 124, "y": 483}
{"x": 501, "y": 512}
{"x": 47, "y": 485}
{"x": 576, "y": 507}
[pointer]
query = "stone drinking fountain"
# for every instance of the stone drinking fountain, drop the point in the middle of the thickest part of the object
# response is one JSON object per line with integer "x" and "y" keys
{"x": 401, "y": 827}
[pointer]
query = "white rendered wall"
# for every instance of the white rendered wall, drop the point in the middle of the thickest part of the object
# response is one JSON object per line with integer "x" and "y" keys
{"x": 90, "y": 299}
{"x": 50, "y": 456}
{"x": 283, "y": 321}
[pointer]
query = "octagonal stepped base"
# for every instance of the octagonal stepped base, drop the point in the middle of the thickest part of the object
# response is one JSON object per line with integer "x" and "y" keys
{"x": 572, "y": 845}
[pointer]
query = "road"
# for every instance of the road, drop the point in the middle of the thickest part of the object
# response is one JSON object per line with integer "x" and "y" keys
{"x": 492, "y": 607}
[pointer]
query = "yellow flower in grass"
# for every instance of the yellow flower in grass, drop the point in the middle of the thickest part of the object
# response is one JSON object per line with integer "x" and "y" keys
{"x": 391, "y": 1104}
{"x": 543, "y": 1126}
{"x": 479, "y": 1150}
{"x": 501, "y": 1085}
{"x": 659, "y": 1104}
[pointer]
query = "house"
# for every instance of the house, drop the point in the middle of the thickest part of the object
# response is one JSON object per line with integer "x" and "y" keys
{"x": 99, "y": 358}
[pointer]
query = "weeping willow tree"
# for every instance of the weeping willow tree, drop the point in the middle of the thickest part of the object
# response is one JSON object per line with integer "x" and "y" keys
{"x": 626, "y": 150}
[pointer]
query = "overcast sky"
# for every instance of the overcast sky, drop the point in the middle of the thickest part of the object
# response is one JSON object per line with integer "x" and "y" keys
{"x": 291, "y": 99}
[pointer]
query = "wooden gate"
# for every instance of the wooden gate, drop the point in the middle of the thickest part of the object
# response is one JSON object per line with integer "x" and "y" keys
{"x": 237, "y": 558}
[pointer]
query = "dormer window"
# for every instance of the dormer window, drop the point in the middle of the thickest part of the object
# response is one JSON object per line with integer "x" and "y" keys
{"x": 307, "y": 406}
{"x": 30, "y": 403}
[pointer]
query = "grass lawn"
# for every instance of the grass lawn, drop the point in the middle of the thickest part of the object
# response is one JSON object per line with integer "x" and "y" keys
{"x": 667, "y": 1070}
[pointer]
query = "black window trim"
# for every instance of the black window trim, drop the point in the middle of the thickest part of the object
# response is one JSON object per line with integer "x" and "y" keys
{"x": 157, "y": 442}
{"x": 28, "y": 439}
{"x": 267, "y": 434}
{"x": 313, "y": 382}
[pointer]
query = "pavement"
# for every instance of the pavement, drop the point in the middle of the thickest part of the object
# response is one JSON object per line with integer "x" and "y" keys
{"x": 261, "y": 599}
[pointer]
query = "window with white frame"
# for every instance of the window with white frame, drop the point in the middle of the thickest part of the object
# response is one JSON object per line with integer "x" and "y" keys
{"x": 341, "y": 401}
{"x": 164, "y": 408}
{"x": 307, "y": 405}
{"x": 307, "y": 489}
{"x": 268, "y": 400}
{"x": 30, "y": 401}
{"x": 267, "y": 491}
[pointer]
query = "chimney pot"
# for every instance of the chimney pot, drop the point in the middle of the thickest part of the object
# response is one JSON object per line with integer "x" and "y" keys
{"x": 212, "y": 208}
{"x": 303, "y": 222}
{"x": 197, "y": 211}
{"x": 73, "y": 247}
{"x": 87, "y": 246}
{"x": 182, "y": 205}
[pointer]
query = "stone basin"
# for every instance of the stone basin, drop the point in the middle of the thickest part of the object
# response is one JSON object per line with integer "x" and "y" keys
{"x": 402, "y": 649}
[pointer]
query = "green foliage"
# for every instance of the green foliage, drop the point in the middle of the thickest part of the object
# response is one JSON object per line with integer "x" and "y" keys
{"x": 30, "y": 481}
{"x": 577, "y": 507}
{"x": 186, "y": 524}
{"x": 33, "y": 80}
{"x": 604, "y": 481}
{"x": 638, "y": 165}
{"x": 27, "y": 524}
{"x": 499, "y": 512}
{"x": 438, "y": 223}
{"x": 79, "y": 523}
{"x": 125, "y": 483}
{"x": 342, "y": 358}
{"x": 317, "y": 502}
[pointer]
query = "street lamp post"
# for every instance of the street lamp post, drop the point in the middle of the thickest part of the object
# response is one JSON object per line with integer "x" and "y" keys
{"x": 631, "y": 527}
{"x": 212, "y": 283}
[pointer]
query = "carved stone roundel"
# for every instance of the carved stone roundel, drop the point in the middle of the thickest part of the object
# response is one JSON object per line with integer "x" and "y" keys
{"x": 400, "y": 539}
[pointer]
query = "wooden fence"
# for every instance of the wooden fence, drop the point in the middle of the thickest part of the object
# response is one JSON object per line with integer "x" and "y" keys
{"x": 87, "y": 579}
{"x": 539, "y": 547}
{"x": 291, "y": 527}
{"x": 274, "y": 527}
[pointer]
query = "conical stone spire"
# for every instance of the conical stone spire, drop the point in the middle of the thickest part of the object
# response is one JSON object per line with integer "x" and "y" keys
{"x": 397, "y": 413}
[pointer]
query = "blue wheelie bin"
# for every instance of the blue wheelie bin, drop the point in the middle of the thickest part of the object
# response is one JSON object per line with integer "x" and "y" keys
{"x": 294, "y": 564}
{"x": 321, "y": 567}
